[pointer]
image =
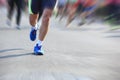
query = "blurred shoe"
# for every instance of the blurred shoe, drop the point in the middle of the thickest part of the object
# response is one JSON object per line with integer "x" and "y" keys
{"x": 18, "y": 27}
{"x": 8, "y": 22}
{"x": 33, "y": 34}
{"x": 91, "y": 21}
{"x": 81, "y": 23}
{"x": 38, "y": 50}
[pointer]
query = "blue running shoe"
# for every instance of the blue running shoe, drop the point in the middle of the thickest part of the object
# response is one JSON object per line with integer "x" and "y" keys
{"x": 33, "y": 34}
{"x": 38, "y": 50}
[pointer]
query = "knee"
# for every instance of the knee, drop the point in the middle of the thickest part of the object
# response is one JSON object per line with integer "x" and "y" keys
{"x": 46, "y": 18}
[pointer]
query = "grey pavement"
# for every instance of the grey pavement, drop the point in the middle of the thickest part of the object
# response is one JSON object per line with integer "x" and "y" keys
{"x": 89, "y": 52}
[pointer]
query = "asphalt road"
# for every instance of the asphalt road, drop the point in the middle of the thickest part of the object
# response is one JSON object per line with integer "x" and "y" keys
{"x": 90, "y": 52}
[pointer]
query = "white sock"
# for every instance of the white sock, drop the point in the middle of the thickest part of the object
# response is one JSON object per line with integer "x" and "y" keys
{"x": 39, "y": 42}
{"x": 34, "y": 27}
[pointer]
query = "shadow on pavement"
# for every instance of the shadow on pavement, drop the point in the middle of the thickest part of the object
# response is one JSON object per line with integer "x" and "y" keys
{"x": 15, "y": 55}
{"x": 113, "y": 31}
{"x": 7, "y": 50}
{"x": 113, "y": 36}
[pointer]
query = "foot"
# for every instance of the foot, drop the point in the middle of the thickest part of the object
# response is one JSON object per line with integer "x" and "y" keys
{"x": 38, "y": 50}
{"x": 18, "y": 27}
{"x": 70, "y": 21}
{"x": 81, "y": 23}
{"x": 33, "y": 34}
{"x": 8, "y": 22}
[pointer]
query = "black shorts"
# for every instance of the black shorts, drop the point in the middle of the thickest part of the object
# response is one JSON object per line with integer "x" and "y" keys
{"x": 37, "y": 6}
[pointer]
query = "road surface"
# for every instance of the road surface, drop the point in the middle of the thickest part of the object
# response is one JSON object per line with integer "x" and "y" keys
{"x": 90, "y": 52}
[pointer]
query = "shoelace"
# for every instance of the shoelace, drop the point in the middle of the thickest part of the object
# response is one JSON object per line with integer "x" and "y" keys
{"x": 39, "y": 47}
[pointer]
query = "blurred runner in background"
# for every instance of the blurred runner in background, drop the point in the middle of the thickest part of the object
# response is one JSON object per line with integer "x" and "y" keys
{"x": 61, "y": 5}
{"x": 89, "y": 7}
{"x": 2, "y": 3}
{"x": 11, "y": 5}
{"x": 113, "y": 8}
{"x": 76, "y": 6}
